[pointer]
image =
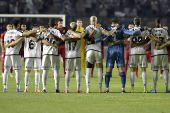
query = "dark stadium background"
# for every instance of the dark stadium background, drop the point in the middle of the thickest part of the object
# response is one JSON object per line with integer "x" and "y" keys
{"x": 106, "y": 10}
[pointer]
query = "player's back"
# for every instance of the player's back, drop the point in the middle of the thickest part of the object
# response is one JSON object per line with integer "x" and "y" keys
{"x": 90, "y": 42}
{"x": 11, "y": 36}
{"x": 72, "y": 48}
{"x": 49, "y": 49}
{"x": 162, "y": 35}
{"x": 31, "y": 48}
{"x": 138, "y": 50}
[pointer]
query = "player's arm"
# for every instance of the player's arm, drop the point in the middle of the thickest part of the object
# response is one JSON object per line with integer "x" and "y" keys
{"x": 155, "y": 39}
{"x": 29, "y": 33}
{"x": 109, "y": 33}
{"x": 118, "y": 42}
{"x": 13, "y": 43}
{"x": 2, "y": 45}
{"x": 101, "y": 39}
{"x": 65, "y": 38}
{"x": 48, "y": 43}
{"x": 56, "y": 38}
{"x": 79, "y": 35}
{"x": 140, "y": 43}
{"x": 135, "y": 32}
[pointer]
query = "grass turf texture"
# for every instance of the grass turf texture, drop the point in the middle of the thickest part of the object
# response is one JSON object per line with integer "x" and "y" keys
{"x": 113, "y": 102}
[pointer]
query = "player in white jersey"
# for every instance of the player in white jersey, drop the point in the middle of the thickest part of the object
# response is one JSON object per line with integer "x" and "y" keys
{"x": 13, "y": 43}
{"x": 32, "y": 55}
{"x": 73, "y": 57}
{"x": 138, "y": 54}
{"x": 159, "y": 57}
{"x": 93, "y": 51}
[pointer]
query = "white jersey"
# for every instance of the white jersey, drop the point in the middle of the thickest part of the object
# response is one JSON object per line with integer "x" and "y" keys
{"x": 10, "y": 37}
{"x": 72, "y": 48}
{"x": 32, "y": 49}
{"x": 162, "y": 35}
{"x": 97, "y": 46}
{"x": 138, "y": 50}
{"x": 49, "y": 50}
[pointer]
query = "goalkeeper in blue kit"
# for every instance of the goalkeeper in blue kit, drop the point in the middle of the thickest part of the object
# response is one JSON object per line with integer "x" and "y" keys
{"x": 116, "y": 52}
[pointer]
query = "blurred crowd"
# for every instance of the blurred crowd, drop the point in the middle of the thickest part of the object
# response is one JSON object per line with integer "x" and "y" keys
{"x": 124, "y": 10}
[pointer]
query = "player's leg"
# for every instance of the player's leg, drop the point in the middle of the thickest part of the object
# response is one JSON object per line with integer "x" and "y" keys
{"x": 69, "y": 69}
{"x": 136, "y": 75}
{"x": 143, "y": 64}
{"x": 126, "y": 61}
{"x": 28, "y": 67}
{"x": 73, "y": 73}
{"x": 37, "y": 67}
{"x": 133, "y": 61}
{"x": 63, "y": 56}
{"x": 77, "y": 65}
{"x": 107, "y": 78}
{"x": 2, "y": 65}
{"x": 11, "y": 70}
{"x": 155, "y": 68}
{"x": 121, "y": 66}
{"x": 90, "y": 58}
{"x": 45, "y": 68}
{"x": 83, "y": 61}
{"x": 7, "y": 66}
{"x": 55, "y": 64}
{"x": 164, "y": 65}
{"x": 99, "y": 61}
{"x": 16, "y": 64}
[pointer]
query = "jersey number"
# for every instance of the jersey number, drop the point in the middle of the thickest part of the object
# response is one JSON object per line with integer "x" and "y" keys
{"x": 70, "y": 43}
{"x": 10, "y": 41}
{"x": 31, "y": 44}
{"x": 136, "y": 39}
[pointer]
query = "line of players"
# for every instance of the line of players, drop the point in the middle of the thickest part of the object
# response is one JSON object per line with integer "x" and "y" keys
{"x": 94, "y": 34}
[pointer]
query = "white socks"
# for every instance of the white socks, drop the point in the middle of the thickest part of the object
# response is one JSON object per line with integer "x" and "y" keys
{"x": 56, "y": 79}
{"x": 78, "y": 79}
{"x": 144, "y": 77}
{"x": 27, "y": 76}
{"x": 100, "y": 78}
{"x": 88, "y": 78}
{"x": 67, "y": 80}
{"x": 37, "y": 80}
{"x": 166, "y": 79}
{"x": 155, "y": 79}
{"x": 18, "y": 78}
{"x": 44, "y": 78}
{"x": 5, "y": 77}
{"x": 132, "y": 79}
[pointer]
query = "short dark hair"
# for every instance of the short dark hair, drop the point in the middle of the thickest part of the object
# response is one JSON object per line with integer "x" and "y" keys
{"x": 158, "y": 20}
{"x": 52, "y": 22}
{"x": 115, "y": 22}
{"x": 15, "y": 22}
{"x": 23, "y": 24}
{"x": 137, "y": 20}
{"x": 35, "y": 25}
{"x": 60, "y": 20}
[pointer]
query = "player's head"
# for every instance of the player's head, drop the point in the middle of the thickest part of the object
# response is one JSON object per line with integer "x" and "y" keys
{"x": 41, "y": 27}
{"x": 52, "y": 23}
{"x": 165, "y": 27}
{"x": 60, "y": 23}
{"x": 137, "y": 21}
{"x": 73, "y": 26}
{"x": 16, "y": 23}
{"x": 114, "y": 22}
{"x": 35, "y": 27}
{"x": 23, "y": 27}
{"x": 93, "y": 20}
{"x": 79, "y": 23}
{"x": 130, "y": 26}
{"x": 9, "y": 27}
{"x": 158, "y": 22}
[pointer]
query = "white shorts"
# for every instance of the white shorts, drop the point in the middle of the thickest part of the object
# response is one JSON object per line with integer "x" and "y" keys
{"x": 94, "y": 56}
{"x": 54, "y": 60}
{"x": 29, "y": 62}
{"x": 135, "y": 59}
{"x": 76, "y": 62}
{"x": 160, "y": 61}
{"x": 14, "y": 61}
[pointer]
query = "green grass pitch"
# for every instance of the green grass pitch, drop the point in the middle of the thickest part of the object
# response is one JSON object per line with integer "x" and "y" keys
{"x": 113, "y": 102}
